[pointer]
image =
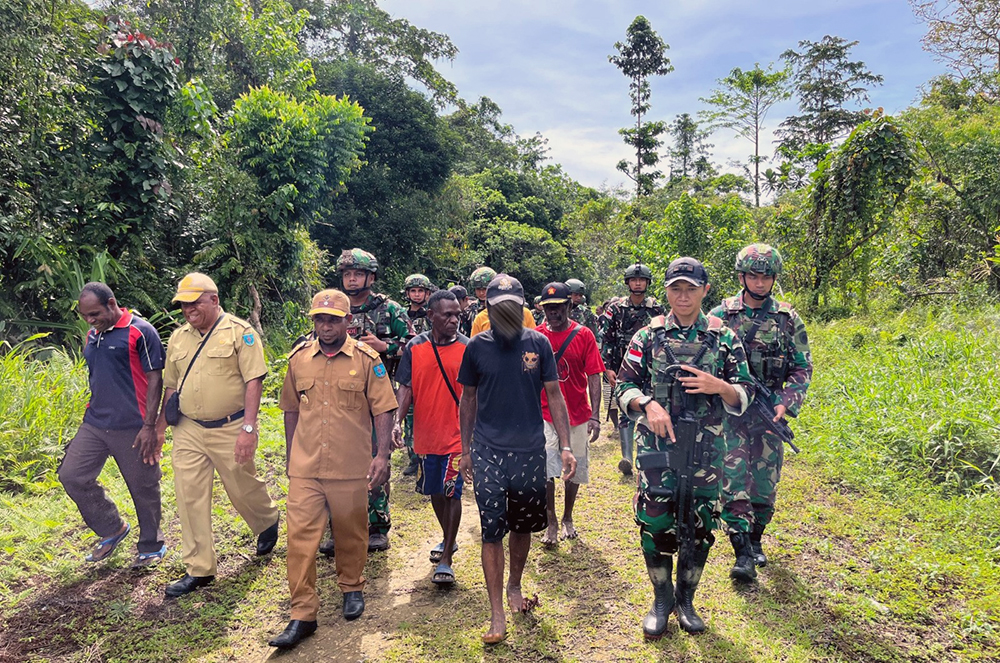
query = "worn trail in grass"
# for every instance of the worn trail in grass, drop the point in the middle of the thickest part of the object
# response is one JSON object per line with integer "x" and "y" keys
{"x": 846, "y": 582}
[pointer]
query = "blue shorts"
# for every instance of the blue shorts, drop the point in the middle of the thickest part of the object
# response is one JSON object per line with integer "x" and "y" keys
{"x": 510, "y": 491}
{"x": 439, "y": 475}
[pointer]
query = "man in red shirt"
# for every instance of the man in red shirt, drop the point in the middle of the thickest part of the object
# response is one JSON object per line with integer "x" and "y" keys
{"x": 428, "y": 378}
{"x": 580, "y": 369}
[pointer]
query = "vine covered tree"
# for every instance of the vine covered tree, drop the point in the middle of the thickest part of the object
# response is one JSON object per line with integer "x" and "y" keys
{"x": 641, "y": 56}
{"x": 741, "y": 103}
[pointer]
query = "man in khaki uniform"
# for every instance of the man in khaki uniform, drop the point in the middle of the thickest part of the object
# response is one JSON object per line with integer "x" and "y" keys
{"x": 217, "y": 432}
{"x": 334, "y": 387}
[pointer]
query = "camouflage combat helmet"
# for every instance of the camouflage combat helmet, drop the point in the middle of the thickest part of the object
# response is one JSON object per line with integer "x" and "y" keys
{"x": 417, "y": 281}
{"x": 576, "y": 287}
{"x": 357, "y": 259}
{"x": 638, "y": 270}
{"x": 759, "y": 258}
{"x": 481, "y": 277}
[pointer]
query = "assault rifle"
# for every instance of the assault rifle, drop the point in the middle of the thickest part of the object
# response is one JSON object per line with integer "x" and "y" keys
{"x": 759, "y": 417}
{"x": 689, "y": 453}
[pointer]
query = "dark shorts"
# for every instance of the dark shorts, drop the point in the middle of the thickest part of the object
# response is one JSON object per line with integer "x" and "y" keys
{"x": 439, "y": 475}
{"x": 510, "y": 491}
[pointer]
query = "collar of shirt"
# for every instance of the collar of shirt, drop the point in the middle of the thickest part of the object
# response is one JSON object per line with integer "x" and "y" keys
{"x": 347, "y": 348}
{"x": 700, "y": 324}
{"x": 226, "y": 323}
{"x": 765, "y": 306}
{"x": 125, "y": 320}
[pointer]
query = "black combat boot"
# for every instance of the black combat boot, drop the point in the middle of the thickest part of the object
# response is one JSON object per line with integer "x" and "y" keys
{"x": 688, "y": 577}
{"x": 744, "y": 569}
{"x": 627, "y": 438}
{"x": 654, "y": 625}
{"x": 759, "y": 558}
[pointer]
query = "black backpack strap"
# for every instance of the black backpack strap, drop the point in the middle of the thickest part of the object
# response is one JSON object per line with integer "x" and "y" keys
{"x": 569, "y": 339}
{"x": 198, "y": 352}
{"x": 443, "y": 374}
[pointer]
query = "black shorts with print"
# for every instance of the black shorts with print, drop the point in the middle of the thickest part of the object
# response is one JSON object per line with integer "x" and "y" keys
{"x": 510, "y": 491}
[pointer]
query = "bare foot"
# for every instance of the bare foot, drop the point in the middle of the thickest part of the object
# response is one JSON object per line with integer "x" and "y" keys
{"x": 568, "y": 531}
{"x": 551, "y": 536}
{"x": 518, "y": 604}
{"x": 498, "y": 630}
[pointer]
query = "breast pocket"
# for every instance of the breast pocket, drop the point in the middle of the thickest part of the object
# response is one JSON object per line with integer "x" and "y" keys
{"x": 221, "y": 358}
{"x": 303, "y": 386}
{"x": 351, "y": 393}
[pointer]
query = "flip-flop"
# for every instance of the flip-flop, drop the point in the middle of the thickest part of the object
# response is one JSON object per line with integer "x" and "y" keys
{"x": 112, "y": 541}
{"x": 443, "y": 570}
{"x": 438, "y": 550}
{"x": 149, "y": 558}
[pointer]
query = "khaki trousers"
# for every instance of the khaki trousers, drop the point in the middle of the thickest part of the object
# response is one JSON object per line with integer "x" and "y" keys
{"x": 311, "y": 504}
{"x": 198, "y": 452}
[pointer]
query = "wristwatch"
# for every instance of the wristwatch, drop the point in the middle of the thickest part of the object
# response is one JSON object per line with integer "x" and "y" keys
{"x": 247, "y": 428}
{"x": 643, "y": 402}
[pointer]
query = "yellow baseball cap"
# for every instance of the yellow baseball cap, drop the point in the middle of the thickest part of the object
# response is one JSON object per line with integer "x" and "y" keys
{"x": 193, "y": 286}
{"x": 330, "y": 302}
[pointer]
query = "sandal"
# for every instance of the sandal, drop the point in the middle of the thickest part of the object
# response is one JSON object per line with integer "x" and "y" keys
{"x": 144, "y": 559}
{"x": 448, "y": 575}
{"x": 438, "y": 550}
{"x": 108, "y": 545}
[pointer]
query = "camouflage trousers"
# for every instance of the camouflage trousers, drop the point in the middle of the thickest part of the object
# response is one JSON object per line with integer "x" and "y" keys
{"x": 738, "y": 511}
{"x": 757, "y": 481}
{"x": 657, "y": 516}
{"x": 408, "y": 430}
{"x": 379, "y": 521}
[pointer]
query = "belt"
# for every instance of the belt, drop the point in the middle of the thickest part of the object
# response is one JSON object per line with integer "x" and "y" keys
{"x": 219, "y": 423}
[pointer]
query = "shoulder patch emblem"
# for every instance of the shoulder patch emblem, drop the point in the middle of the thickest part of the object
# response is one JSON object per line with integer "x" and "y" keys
{"x": 379, "y": 370}
{"x": 248, "y": 338}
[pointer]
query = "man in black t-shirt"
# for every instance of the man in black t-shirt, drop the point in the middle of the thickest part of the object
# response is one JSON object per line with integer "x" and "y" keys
{"x": 503, "y": 372}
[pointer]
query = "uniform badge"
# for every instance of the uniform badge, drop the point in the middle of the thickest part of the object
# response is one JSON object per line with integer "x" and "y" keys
{"x": 379, "y": 370}
{"x": 248, "y": 338}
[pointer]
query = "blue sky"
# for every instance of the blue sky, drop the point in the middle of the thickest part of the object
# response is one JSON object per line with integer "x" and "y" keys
{"x": 545, "y": 61}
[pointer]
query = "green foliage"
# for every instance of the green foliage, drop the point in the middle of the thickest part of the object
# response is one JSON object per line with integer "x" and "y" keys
{"x": 642, "y": 55}
{"x": 689, "y": 154}
{"x": 41, "y": 405}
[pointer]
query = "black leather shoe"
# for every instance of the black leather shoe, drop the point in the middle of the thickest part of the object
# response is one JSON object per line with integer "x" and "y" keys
{"x": 186, "y": 585}
{"x": 327, "y": 548}
{"x": 354, "y": 605}
{"x": 267, "y": 539}
{"x": 296, "y": 631}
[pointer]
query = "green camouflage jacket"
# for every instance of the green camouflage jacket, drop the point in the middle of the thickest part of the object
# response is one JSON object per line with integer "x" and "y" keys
{"x": 620, "y": 321}
{"x": 418, "y": 320}
{"x": 384, "y": 318}
{"x": 581, "y": 314}
{"x": 779, "y": 352}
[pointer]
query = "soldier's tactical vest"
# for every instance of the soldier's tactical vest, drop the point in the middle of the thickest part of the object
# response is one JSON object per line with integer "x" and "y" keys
{"x": 419, "y": 320}
{"x": 768, "y": 351}
{"x": 373, "y": 317}
{"x": 701, "y": 351}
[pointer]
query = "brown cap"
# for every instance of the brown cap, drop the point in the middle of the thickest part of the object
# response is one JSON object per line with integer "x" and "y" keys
{"x": 330, "y": 302}
{"x": 193, "y": 286}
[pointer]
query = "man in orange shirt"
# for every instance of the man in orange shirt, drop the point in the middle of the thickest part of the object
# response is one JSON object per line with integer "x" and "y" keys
{"x": 428, "y": 378}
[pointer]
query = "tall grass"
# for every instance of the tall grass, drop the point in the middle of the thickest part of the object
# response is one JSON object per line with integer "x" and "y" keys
{"x": 911, "y": 395}
{"x": 41, "y": 405}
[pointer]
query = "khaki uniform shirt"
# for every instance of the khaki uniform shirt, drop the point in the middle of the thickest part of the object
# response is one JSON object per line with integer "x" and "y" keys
{"x": 336, "y": 398}
{"x": 217, "y": 383}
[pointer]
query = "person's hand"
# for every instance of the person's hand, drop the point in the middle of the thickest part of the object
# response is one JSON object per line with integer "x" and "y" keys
{"x": 658, "y": 421}
{"x": 594, "y": 428}
{"x": 378, "y": 345}
{"x": 779, "y": 412}
{"x": 246, "y": 445}
{"x": 378, "y": 472}
{"x": 397, "y": 436}
{"x": 145, "y": 442}
{"x": 161, "y": 439}
{"x": 700, "y": 382}
{"x": 465, "y": 468}
{"x": 611, "y": 377}
{"x": 568, "y": 465}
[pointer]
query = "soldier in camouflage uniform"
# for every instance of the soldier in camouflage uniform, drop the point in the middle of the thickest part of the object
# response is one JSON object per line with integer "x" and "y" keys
{"x": 465, "y": 317}
{"x": 622, "y": 318}
{"x": 480, "y": 278}
{"x": 384, "y": 325}
{"x": 536, "y": 311}
{"x": 417, "y": 290}
{"x": 712, "y": 385}
{"x": 777, "y": 349}
{"x": 581, "y": 313}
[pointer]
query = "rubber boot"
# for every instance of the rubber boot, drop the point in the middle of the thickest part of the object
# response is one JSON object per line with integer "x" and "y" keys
{"x": 688, "y": 577}
{"x": 744, "y": 570}
{"x": 411, "y": 469}
{"x": 759, "y": 558}
{"x": 654, "y": 625}
{"x": 627, "y": 436}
